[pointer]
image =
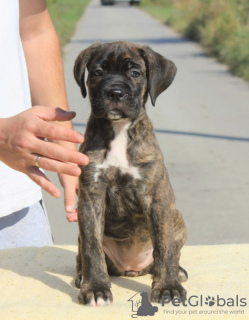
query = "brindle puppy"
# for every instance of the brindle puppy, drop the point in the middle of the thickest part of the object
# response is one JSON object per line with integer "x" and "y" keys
{"x": 128, "y": 222}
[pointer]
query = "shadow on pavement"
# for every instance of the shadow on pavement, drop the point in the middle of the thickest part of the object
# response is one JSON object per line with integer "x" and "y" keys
{"x": 49, "y": 264}
{"x": 155, "y": 41}
{"x": 188, "y": 133}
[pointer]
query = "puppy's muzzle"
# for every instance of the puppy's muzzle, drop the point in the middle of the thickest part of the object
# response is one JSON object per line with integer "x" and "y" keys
{"x": 116, "y": 102}
{"x": 116, "y": 94}
{"x": 117, "y": 98}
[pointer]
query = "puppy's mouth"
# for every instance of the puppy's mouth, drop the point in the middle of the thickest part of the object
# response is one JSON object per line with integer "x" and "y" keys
{"x": 115, "y": 114}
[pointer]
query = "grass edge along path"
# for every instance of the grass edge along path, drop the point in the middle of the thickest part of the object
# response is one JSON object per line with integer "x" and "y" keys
{"x": 65, "y": 14}
{"x": 221, "y": 27}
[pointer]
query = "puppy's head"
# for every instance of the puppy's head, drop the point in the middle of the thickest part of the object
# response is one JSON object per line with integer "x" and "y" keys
{"x": 120, "y": 77}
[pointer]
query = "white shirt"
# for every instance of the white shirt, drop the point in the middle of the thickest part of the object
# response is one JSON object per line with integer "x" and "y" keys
{"x": 17, "y": 191}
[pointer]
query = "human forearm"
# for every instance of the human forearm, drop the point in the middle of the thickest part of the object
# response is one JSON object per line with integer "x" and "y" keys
{"x": 43, "y": 58}
{"x": 46, "y": 76}
{"x": 45, "y": 70}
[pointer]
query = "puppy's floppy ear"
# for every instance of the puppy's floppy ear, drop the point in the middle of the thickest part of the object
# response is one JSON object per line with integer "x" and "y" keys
{"x": 160, "y": 72}
{"x": 81, "y": 63}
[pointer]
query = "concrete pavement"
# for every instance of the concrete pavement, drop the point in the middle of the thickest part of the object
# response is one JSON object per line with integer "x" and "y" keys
{"x": 37, "y": 283}
{"x": 201, "y": 122}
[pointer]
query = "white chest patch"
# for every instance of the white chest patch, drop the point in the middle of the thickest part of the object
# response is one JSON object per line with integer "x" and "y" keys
{"x": 117, "y": 155}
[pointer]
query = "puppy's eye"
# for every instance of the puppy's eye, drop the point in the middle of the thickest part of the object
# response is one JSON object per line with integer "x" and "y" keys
{"x": 99, "y": 73}
{"x": 135, "y": 74}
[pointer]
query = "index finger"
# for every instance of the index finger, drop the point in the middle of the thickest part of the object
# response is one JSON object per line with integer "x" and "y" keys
{"x": 54, "y": 131}
{"x": 52, "y": 114}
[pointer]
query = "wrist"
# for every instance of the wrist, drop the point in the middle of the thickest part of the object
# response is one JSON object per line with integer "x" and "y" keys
{"x": 3, "y": 137}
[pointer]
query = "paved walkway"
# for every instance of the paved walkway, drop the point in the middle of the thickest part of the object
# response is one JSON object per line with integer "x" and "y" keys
{"x": 37, "y": 284}
{"x": 201, "y": 123}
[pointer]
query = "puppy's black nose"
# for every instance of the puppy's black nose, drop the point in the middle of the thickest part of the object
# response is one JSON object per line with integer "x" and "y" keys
{"x": 116, "y": 94}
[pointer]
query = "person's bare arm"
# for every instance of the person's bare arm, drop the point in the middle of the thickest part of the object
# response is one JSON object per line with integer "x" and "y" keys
{"x": 45, "y": 70}
{"x": 43, "y": 55}
{"x": 22, "y": 135}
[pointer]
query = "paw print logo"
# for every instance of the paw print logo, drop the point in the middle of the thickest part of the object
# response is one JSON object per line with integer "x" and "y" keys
{"x": 210, "y": 301}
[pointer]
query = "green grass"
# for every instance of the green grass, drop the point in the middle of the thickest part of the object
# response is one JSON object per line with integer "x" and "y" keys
{"x": 221, "y": 26}
{"x": 65, "y": 14}
{"x": 160, "y": 12}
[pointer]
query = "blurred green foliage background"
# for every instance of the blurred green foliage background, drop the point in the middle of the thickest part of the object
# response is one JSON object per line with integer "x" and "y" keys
{"x": 65, "y": 14}
{"x": 221, "y": 26}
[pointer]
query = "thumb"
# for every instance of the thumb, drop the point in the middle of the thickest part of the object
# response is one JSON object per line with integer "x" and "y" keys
{"x": 69, "y": 202}
{"x": 70, "y": 185}
{"x": 73, "y": 216}
{"x": 53, "y": 114}
{"x": 69, "y": 199}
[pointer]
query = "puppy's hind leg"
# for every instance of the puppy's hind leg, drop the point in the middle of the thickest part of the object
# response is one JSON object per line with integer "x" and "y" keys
{"x": 111, "y": 267}
{"x": 78, "y": 278}
{"x": 182, "y": 274}
{"x": 180, "y": 236}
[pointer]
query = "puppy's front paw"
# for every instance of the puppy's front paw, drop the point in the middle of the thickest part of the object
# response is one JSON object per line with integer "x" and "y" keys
{"x": 95, "y": 295}
{"x": 169, "y": 289}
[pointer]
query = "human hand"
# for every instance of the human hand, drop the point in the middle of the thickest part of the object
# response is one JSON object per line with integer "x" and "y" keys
{"x": 22, "y": 138}
{"x": 70, "y": 185}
